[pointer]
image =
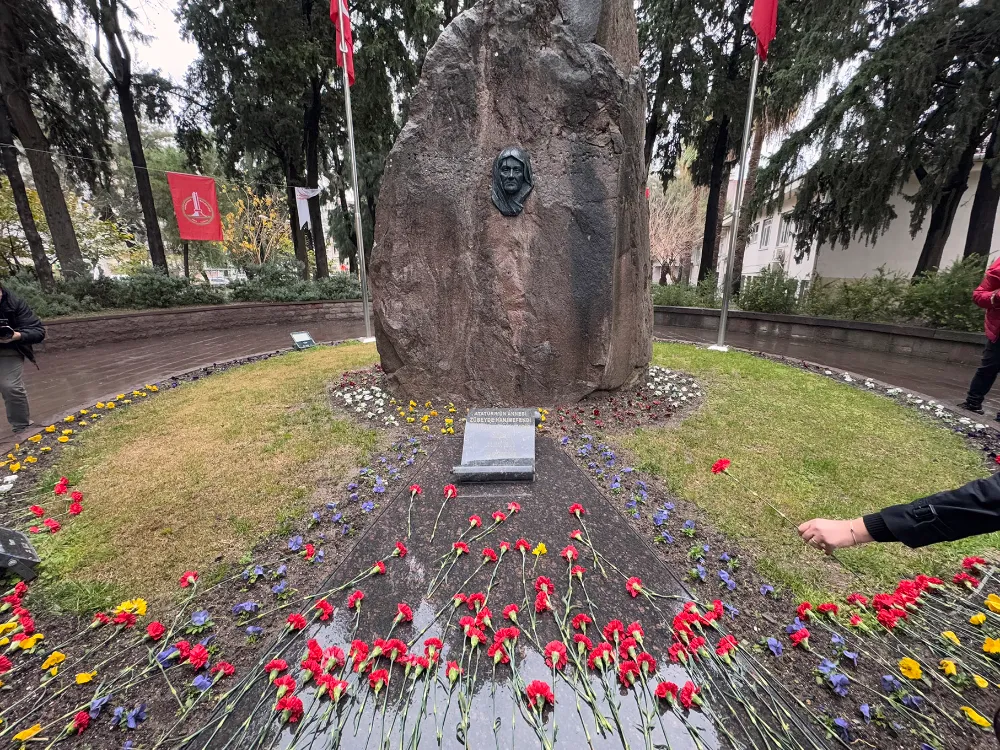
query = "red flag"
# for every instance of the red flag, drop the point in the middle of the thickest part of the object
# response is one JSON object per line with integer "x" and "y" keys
{"x": 764, "y": 22}
{"x": 196, "y": 206}
{"x": 335, "y": 16}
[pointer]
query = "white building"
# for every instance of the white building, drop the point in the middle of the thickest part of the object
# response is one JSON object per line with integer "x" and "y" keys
{"x": 772, "y": 242}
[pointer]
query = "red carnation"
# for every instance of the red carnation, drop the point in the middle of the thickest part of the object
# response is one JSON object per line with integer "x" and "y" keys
{"x": 628, "y": 671}
{"x": 510, "y": 612}
{"x": 274, "y": 667}
{"x": 403, "y": 612}
{"x": 223, "y": 667}
{"x": 354, "y": 599}
{"x": 498, "y": 653}
{"x": 450, "y": 491}
{"x": 721, "y": 465}
{"x": 415, "y": 489}
{"x": 584, "y": 641}
{"x": 504, "y": 547}
{"x": 477, "y": 636}
{"x": 188, "y": 578}
{"x": 677, "y": 653}
{"x": 27, "y": 624}
{"x": 601, "y": 656}
{"x": 155, "y": 630}
{"x": 5, "y": 664}
{"x": 37, "y": 510}
{"x": 887, "y": 619}
{"x": 461, "y": 548}
{"x": 647, "y": 663}
{"x": 570, "y": 553}
{"x": 539, "y": 693}
{"x": 75, "y": 509}
{"x": 358, "y": 652}
{"x": 828, "y": 608}
{"x": 499, "y": 516}
{"x": 432, "y": 647}
{"x": 325, "y": 608}
{"x": 77, "y": 496}
{"x": 198, "y": 656}
{"x": 555, "y": 655}
{"x": 614, "y": 631}
{"x": 973, "y": 563}
{"x": 52, "y": 524}
{"x": 634, "y": 630}
{"x": 803, "y": 611}
{"x": 100, "y": 619}
{"x": 800, "y": 638}
{"x": 378, "y": 568}
{"x": 964, "y": 578}
{"x": 475, "y": 521}
{"x": 290, "y": 708}
{"x": 667, "y": 691}
{"x": 60, "y": 488}
{"x": 80, "y": 722}
{"x": 689, "y": 695}
{"x": 634, "y": 586}
{"x": 581, "y": 621}
{"x": 476, "y": 600}
{"x": 856, "y": 621}
{"x": 578, "y": 571}
{"x": 489, "y": 555}
{"x": 522, "y": 545}
{"x": 544, "y": 583}
{"x": 20, "y": 589}
{"x": 542, "y": 602}
{"x": 576, "y": 510}
{"x": 453, "y": 671}
{"x": 309, "y": 552}
{"x": 513, "y": 507}
{"x": 858, "y": 600}
{"x": 124, "y": 618}
{"x": 296, "y": 621}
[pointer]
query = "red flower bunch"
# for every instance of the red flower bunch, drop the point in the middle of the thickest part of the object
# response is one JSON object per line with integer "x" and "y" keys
{"x": 555, "y": 655}
{"x": 828, "y": 608}
{"x": 614, "y": 631}
{"x": 378, "y": 569}
{"x": 475, "y": 521}
{"x": 887, "y": 619}
{"x": 188, "y": 578}
{"x": 584, "y": 644}
{"x": 544, "y": 583}
{"x": 484, "y": 618}
{"x": 570, "y": 554}
{"x": 275, "y": 667}
{"x": 510, "y": 612}
{"x": 20, "y": 589}
{"x": 354, "y": 599}
{"x": 507, "y": 635}
{"x": 542, "y": 603}
{"x": 378, "y": 679}
{"x": 498, "y": 653}
{"x": 601, "y": 657}
{"x": 416, "y": 489}
{"x": 126, "y": 619}
{"x": 315, "y": 651}
{"x": 224, "y": 668}
{"x": 290, "y": 708}
{"x": 800, "y": 638}
{"x": 513, "y": 507}
{"x": 858, "y": 600}
{"x": 61, "y": 486}
{"x": 155, "y": 630}
{"x": 646, "y": 662}
{"x": 37, "y": 510}
{"x": 721, "y": 465}
{"x": 75, "y": 509}
{"x": 581, "y": 621}
{"x": 52, "y": 525}
{"x": 667, "y": 691}
{"x": 576, "y": 510}
{"x": 198, "y": 656}
{"x": 689, "y": 695}
{"x": 296, "y": 621}
{"x": 803, "y": 611}
{"x": 970, "y": 582}
{"x": 325, "y": 609}
{"x": 727, "y": 644}
{"x": 634, "y": 586}
{"x": 539, "y": 693}
{"x": 461, "y": 548}
{"x": 432, "y": 647}
{"x": 628, "y": 671}
{"x": 450, "y": 491}
{"x": 400, "y": 550}
{"x": 522, "y": 545}
{"x": 499, "y": 516}
{"x": 974, "y": 563}
{"x": 489, "y": 555}
{"x": 928, "y": 582}
{"x": 677, "y": 653}
{"x": 403, "y": 612}
{"x": 27, "y": 624}
{"x": 80, "y": 722}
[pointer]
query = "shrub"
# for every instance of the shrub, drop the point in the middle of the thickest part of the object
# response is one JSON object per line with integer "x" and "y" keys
{"x": 48, "y": 304}
{"x": 770, "y": 291}
{"x": 878, "y": 298}
{"x": 943, "y": 299}
{"x": 703, "y": 294}
{"x": 280, "y": 282}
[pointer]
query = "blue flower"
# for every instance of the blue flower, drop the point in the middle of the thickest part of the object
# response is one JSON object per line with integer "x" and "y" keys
{"x": 667, "y": 538}
{"x": 316, "y": 516}
{"x": 362, "y": 471}
{"x": 319, "y": 556}
{"x": 409, "y": 462}
{"x": 164, "y": 656}
{"x": 116, "y": 718}
{"x": 836, "y": 639}
{"x": 637, "y": 515}
{"x": 129, "y": 745}
{"x": 689, "y": 525}
{"x": 766, "y": 590}
{"x": 564, "y": 441}
{"x": 206, "y": 640}
{"x": 258, "y": 570}
{"x": 346, "y": 530}
{"x": 630, "y": 504}
{"x": 843, "y": 729}
{"x": 245, "y": 608}
{"x": 627, "y": 470}
{"x": 368, "y": 506}
{"x": 280, "y": 571}
{"x": 615, "y": 484}
{"x": 733, "y": 612}
{"x": 727, "y": 579}
{"x": 890, "y": 684}
{"x": 660, "y": 517}
{"x": 795, "y": 627}
{"x": 724, "y": 557}
{"x": 331, "y": 506}
{"x": 866, "y": 711}
{"x": 96, "y": 705}
{"x": 913, "y": 702}
{"x": 775, "y": 645}
{"x": 852, "y": 655}
{"x": 295, "y": 543}
{"x": 826, "y": 667}
{"x": 254, "y": 630}
{"x": 666, "y": 506}
{"x": 591, "y": 465}
{"x": 202, "y": 682}
{"x": 279, "y": 587}
{"x": 136, "y": 716}
{"x": 200, "y": 617}
{"x": 840, "y": 683}
{"x": 378, "y": 489}
{"x": 701, "y": 571}
{"x": 353, "y": 496}
{"x": 336, "y": 517}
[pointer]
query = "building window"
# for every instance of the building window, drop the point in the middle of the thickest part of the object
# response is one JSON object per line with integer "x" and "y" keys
{"x": 787, "y": 231}
{"x": 754, "y": 232}
{"x": 765, "y": 233}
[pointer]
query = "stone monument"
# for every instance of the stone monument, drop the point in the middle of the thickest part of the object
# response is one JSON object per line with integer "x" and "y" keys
{"x": 511, "y": 258}
{"x": 498, "y": 446}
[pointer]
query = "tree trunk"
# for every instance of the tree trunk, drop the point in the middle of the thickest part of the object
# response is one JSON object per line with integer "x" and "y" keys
{"x": 352, "y": 254}
{"x": 983, "y": 217}
{"x": 746, "y": 220}
{"x": 716, "y": 201}
{"x": 655, "y": 106}
{"x": 43, "y": 171}
{"x": 43, "y": 269}
{"x": 298, "y": 241}
{"x": 187, "y": 257}
{"x": 120, "y": 73}
{"x": 450, "y": 11}
{"x": 943, "y": 213}
{"x": 664, "y": 271}
{"x": 313, "y": 113}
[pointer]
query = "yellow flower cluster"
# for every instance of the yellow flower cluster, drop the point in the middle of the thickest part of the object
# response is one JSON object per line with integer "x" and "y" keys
{"x": 993, "y": 603}
{"x": 948, "y": 667}
{"x": 910, "y": 669}
{"x": 992, "y": 646}
{"x": 135, "y": 606}
{"x": 978, "y": 619}
{"x": 54, "y": 659}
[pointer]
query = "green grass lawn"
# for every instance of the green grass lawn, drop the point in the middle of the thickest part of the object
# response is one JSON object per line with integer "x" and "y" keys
{"x": 814, "y": 448}
{"x": 192, "y": 479}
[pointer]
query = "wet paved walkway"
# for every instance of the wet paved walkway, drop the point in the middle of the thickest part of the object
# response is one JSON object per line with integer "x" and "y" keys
{"x": 940, "y": 380}
{"x": 74, "y": 379}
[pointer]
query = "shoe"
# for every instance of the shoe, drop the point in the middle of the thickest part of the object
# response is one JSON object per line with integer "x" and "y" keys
{"x": 969, "y": 407}
{"x": 27, "y": 427}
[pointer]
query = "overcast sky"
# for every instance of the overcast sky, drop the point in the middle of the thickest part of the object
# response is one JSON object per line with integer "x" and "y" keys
{"x": 166, "y": 50}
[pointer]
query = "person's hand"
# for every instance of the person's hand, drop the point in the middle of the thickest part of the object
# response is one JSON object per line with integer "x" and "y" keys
{"x": 16, "y": 336}
{"x": 829, "y": 535}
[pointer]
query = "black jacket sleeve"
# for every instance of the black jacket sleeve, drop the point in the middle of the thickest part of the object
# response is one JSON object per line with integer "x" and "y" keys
{"x": 970, "y": 510}
{"x": 29, "y": 324}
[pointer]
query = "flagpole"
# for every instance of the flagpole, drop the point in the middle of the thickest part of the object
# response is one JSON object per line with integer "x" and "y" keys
{"x": 734, "y": 230}
{"x": 358, "y": 226}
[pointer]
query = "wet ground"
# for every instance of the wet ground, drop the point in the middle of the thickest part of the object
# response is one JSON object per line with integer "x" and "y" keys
{"x": 940, "y": 380}
{"x": 411, "y": 713}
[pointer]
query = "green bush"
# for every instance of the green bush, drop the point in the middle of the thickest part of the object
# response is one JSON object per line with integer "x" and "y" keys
{"x": 280, "y": 282}
{"x": 770, "y": 291}
{"x": 57, "y": 304}
{"x": 943, "y": 299}
{"x": 877, "y": 299}
{"x": 703, "y": 294}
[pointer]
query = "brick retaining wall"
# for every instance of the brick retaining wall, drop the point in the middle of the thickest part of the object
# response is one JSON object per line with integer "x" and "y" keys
{"x": 74, "y": 333}
{"x": 930, "y": 343}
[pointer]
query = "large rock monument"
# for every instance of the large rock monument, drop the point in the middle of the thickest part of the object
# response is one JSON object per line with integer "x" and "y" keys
{"x": 511, "y": 259}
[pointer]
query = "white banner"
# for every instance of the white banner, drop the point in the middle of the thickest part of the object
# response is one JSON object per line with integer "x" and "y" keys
{"x": 302, "y": 196}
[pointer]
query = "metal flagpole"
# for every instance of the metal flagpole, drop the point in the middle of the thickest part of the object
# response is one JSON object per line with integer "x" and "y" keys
{"x": 358, "y": 227}
{"x": 734, "y": 230}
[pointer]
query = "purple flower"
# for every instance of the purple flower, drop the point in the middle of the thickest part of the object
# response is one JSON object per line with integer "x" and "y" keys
{"x": 352, "y": 486}
{"x": 336, "y": 517}
{"x": 852, "y": 655}
{"x": 295, "y": 543}
{"x": 666, "y": 506}
{"x": 331, "y": 506}
{"x": 96, "y": 705}
{"x": 866, "y": 711}
{"x": 766, "y": 590}
{"x": 136, "y": 716}
{"x": 728, "y": 580}
{"x": 258, "y": 570}
{"x": 315, "y": 516}
{"x": 279, "y": 587}
{"x": 280, "y": 571}
{"x": 843, "y": 729}
{"x": 116, "y": 718}
{"x": 200, "y": 617}
{"x": 129, "y": 745}
{"x": 354, "y": 496}
{"x": 346, "y": 530}
{"x": 890, "y": 684}
{"x": 368, "y": 506}
{"x": 564, "y": 441}
{"x": 733, "y": 612}
{"x": 164, "y": 656}
{"x": 840, "y": 683}
{"x": 665, "y": 535}
{"x": 826, "y": 667}
{"x": 795, "y": 627}
{"x": 775, "y": 645}
{"x": 913, "y": 702}
{"x": 319, "y": 556}
{"x": 202, "y": 682}
{"x": 700, "y": 570}
{"x": 724, "y": 557}
{"x": 688, "y": 526}
{"x": 254, "y": 630}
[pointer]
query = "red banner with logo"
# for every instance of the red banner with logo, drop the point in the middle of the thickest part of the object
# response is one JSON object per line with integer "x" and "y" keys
{"x": 196, "y": 206}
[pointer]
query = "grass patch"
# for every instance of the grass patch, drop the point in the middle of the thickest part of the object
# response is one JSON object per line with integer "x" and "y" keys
{"x": 194, "y": 478}
{"x": 814, "y": 448}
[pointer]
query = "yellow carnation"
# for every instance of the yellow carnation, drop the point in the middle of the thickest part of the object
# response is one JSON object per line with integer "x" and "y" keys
{"x": 975, "y": 717}
{"x": 45, "y": 449}
{"x": 29, "y": 643}
{"x": 56, "y": 657}
{"x": 70, "y": 418}
{"x": 50, "y": 428}
{"x": 539, "y": 550}
{"x": 110, "y": 405}
{"x": 15, "y": 467}
{"x": 63, "y": 439}
{"x": 948, "y": 667}
{"x": 30, "y": 460}
{"x": 910, "y": 668}
{"x": 35, "y": 438}
{"x": 992, "y": 646}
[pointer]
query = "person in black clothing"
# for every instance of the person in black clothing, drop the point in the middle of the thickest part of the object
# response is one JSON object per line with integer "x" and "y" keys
{"x": 970, "y": 510}
{"x": 19, "y": 329}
